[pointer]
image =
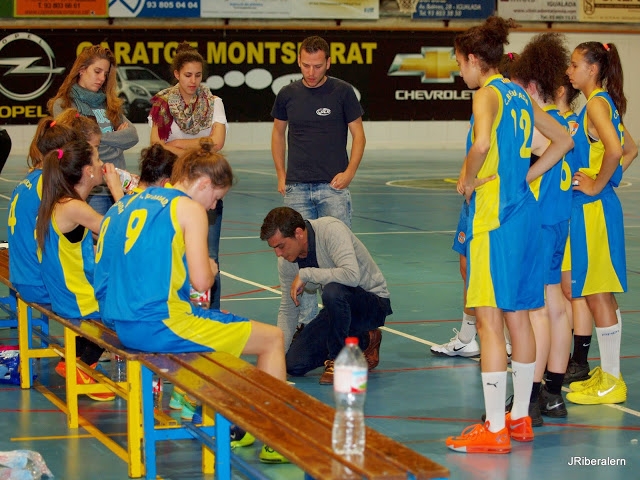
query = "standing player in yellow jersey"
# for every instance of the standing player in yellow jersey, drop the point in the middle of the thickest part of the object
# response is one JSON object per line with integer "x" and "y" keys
{"x": 598, "y": 263}
{"x": 504, "y": 267}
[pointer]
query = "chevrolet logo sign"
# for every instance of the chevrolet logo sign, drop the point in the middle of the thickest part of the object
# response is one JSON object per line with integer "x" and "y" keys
{"x": 433, "y": 64}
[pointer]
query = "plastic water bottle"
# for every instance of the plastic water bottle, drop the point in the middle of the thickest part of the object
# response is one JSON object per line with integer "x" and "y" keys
{"x": 200, "y": 299}
{"x": 350, "y": 390}
{"x": 129, "y": 180}
{"x": 157, "y": 394}
{"x": 119, "y": 369}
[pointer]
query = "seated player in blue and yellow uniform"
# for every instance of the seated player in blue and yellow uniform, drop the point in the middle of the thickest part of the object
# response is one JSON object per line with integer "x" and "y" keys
{"x": 24, "y": 265}
{"x": 156, "y": 242}
{"x": 63, "y": 231}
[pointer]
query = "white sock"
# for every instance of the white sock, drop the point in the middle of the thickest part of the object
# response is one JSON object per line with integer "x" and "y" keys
{"x": 467, "y": 329}
{"x": 619, "y": 317}
{"x": 494, "y": 386}
{"x": 609, "y": 344}
{"x": 522, "y": 374}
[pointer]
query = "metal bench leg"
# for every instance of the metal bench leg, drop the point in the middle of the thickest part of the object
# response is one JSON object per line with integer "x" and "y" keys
{"x": 72, "y": 380}
{"x": 24, "y": 343}
{"x": 135, "y": 432}
{"x": 223, "y": 448}
{"x": 148, "y": 423}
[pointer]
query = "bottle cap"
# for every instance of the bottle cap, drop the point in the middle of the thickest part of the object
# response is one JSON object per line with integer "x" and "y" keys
{"x": 351, "y": 341}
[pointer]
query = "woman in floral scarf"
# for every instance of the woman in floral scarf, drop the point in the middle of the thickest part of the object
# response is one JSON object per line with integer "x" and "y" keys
{"x": 180, "y": 116}
{"x": 90, "y": 88}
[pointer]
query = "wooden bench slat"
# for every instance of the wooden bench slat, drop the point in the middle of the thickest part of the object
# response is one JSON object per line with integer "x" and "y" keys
{"x": 248, "y": 416}
{"x": 376, "y": 443}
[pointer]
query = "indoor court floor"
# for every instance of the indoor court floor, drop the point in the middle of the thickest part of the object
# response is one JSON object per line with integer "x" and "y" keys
{"x": 405, "y": 211}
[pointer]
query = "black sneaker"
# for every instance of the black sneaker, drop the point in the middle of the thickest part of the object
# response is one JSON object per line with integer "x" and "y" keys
{"x": 576, "y": 372}
{"x": 551, "y": 404}
{"x": 534, "y": 413}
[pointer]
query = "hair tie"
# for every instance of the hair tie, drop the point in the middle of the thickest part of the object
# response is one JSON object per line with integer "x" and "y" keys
{"x": 52, "y": 124}
{"x": 77, "y": 114}
{"x": 606, "y": 46}
{"x": 510, "y": 55}
{"x": 60, "y": 153}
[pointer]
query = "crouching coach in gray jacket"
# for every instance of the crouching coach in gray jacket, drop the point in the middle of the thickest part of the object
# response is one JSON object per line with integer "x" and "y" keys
{"x": 325, "y": 254}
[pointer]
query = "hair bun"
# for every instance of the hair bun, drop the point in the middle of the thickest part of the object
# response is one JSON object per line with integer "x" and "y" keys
{"x": 207, "y": 145}
{"x": 184, "y": 46}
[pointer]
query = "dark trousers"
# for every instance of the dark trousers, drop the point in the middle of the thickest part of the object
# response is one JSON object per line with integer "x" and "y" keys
{"x": 346, "y": 312}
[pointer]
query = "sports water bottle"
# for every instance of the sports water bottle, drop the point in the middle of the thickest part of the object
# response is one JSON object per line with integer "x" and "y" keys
{"x": 157, "y": 394}
{"x": 129, "y": 180}
{"x": 350, "y": 390}
{"x": 200, "y": 299}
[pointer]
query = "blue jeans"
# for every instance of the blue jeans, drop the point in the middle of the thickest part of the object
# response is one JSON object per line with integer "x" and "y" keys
{"x": 312, "y": 201}
{"x": 215, "y": 227}
{"x": 315, "y": 200}
{"x": 347, "y": 312}
{"x": 100, "y": 203}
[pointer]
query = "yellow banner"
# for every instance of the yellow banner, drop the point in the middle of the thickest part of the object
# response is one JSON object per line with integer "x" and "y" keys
{"x": 618, "y": 11}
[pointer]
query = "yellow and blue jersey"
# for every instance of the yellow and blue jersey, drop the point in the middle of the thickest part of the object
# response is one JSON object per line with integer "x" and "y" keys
{"x": 24, "y": 264}
{"x": 142, "y": 256}
{"x": 101, "y": 277}
{"x": 589, "y": 152}
{"x": 496, "y": 201}
{"x": 144, "y": 248}
{"x": 552, "y": 189}
{"x": 67, "y": 271}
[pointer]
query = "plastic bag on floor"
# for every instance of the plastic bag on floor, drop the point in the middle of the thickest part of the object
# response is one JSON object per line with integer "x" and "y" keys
{"x": 23, "y": 465}
{"x": 9, "y": 365}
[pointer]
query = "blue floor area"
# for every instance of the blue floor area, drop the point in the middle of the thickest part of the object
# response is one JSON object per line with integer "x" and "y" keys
{"x": 413, "y": 397}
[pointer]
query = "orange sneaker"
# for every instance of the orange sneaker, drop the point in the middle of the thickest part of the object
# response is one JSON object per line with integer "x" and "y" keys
{"x": 61, "y": 369}
{"x": 519, "y": 429}
{"x": 84, "y": 379}
{"x": 478, "y": 439}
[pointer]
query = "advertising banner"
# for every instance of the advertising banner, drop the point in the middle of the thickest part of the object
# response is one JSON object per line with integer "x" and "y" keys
{"x": 453, "y": 9}
{"x": 397, "y": 75}
{"x": 154, "y": 8}
{"x": 540, "y": 10}
{"x": 61, "y": 8}
{"x": 615, "y": 11}
{"x": 285, "y": 9}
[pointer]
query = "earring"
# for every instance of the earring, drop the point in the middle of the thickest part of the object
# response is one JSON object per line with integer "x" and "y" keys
{"x": 92, "y": 175}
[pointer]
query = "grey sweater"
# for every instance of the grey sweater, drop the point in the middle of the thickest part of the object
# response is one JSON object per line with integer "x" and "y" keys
{"x": 112, "y": 144}
{"x": 342, "y": 258}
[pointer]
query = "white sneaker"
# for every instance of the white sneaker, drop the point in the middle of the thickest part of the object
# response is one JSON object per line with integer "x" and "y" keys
{"x": 509, "y": 350}
{"x": 455, "y": 348}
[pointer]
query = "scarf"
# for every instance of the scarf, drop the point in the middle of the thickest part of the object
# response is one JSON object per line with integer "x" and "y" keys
{"x": 86, "y": 100}
{"x": 168, "y": 106}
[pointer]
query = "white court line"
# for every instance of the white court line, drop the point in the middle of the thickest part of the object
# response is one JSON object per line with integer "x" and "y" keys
{"x": 5, "y": 197}
{"x": 635, "y": 413}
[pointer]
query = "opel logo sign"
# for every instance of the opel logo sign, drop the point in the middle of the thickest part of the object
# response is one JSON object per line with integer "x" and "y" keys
{"x": 35, "y": 71}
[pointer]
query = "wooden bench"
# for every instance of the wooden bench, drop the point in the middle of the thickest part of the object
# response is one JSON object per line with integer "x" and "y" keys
{"x": 288, "y": 420}
{"x": 231, "y": 391}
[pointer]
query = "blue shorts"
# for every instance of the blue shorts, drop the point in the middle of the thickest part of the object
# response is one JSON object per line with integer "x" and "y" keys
{"x": 598, "y": 263}
{"x": 202, "y": 331}
{"x": 504, "y": 266}
{"x": 554, "y": 243}
{"x": 460, "y": 238}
